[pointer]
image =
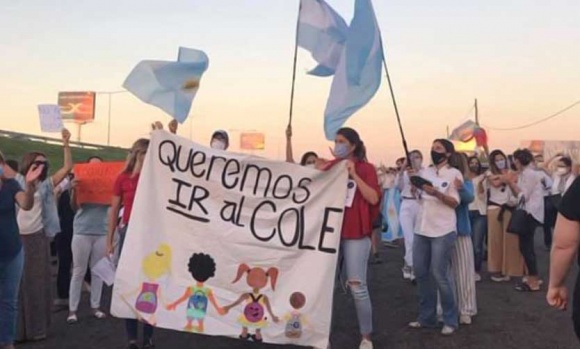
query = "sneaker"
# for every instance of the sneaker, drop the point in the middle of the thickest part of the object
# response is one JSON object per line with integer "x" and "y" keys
{"x": 415, "y": 324}
{"x": 465, "y": 320}
{"x": 148, "y": 344}
{"x": 366, "y": 344}
{"x": 477, "y": 277}
{"x": 407, "y": 272}
{"x": 412, "y": 278}
{"x": 447, "y": 331}
{"x": 500, "y": 278}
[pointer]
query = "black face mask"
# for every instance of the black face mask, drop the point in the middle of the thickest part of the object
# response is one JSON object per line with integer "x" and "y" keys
{"x": 474, "y": 168}
{"x": 438, "y": 158}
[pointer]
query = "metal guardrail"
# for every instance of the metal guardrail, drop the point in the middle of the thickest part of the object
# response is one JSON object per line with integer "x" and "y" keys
{"x": 36, "y": 138}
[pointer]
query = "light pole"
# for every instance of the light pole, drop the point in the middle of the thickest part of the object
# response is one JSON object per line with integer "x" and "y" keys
{"x": 110, "y": 93}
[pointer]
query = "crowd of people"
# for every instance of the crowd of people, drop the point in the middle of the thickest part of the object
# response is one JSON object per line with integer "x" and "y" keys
{"x": 455, "y": 213}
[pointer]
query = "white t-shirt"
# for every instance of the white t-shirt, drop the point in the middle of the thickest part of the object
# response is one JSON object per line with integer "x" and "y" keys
{"x": 480, "y": 201}
{"x": 30, "y": 222}
{"x": 500, "y": 195}
{"x": 435, "y": 218}
{"x": 404, "y": 183}
{"x": 529, "y": 182}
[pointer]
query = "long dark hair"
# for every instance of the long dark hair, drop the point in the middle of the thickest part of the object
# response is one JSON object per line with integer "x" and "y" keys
{"x": 492, "y": 165}
{"x": 457, "y": 160}
{"x": 353, "y": 137}
{"x": 306, "y": 156}
{"x": 479, "y": 166}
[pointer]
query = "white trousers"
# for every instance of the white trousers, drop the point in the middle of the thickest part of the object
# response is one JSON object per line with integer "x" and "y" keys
{"x": 408, "y": 218}
{"x": 463, "y": 271}
{"x": 86, "y": 249}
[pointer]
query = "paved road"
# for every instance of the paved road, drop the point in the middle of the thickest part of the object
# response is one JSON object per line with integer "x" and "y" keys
{"x": 507, "y": 319}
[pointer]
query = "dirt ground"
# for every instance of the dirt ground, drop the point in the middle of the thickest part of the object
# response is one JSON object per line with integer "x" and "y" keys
{"x": 506, "y": 319}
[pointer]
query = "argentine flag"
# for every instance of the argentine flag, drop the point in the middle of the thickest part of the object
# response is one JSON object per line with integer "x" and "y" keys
{"x": 170, "y": 86}
{"x": 358, "y": 75}
{"x": 322, "y": 32}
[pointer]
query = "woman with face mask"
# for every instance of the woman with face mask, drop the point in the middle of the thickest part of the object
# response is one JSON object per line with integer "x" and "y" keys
{"x": 11, "y": 251}
{"x": 220, "y": 140}
{"x": 562, "y": 179}
{"x": 308, "y": 159}
{"x": 435, "y": 238}
{"x": 355, "y": 246}
{"x": 463, "y": 260}
{"x": 504, "y": 259}
{"x": 37, "y": 226}
{"x": 478, "y": 212}
{"x": 527, "y": 186}
{"x": 409, "y": 208}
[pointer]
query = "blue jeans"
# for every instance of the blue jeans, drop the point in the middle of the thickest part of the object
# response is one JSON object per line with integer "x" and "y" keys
{"x": 10, "y": 276}
{"x": 432, "y": 263}
{"x": 355, "y": 256}
{"x": 479, "y": 231}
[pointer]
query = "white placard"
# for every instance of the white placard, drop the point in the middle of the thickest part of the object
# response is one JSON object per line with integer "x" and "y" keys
{"x": 50, "y": 118}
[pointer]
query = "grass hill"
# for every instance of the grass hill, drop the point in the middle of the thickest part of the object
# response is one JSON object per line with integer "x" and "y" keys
{"x": 15, "y": 148}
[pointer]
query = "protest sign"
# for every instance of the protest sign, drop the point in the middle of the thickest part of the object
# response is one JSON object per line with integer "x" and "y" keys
{"x": 95, "y": 181}
{"x": 50, "y": 118}
{"x": 231, "y": 245}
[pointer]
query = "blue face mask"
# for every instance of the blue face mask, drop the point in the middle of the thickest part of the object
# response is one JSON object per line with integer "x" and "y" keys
{"x": 341, "y": 150}
{"x": 501, "y": 164}
{"x": 1, "y": 170}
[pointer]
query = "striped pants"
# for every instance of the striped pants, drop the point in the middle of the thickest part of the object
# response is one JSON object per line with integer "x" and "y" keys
{"x": 462, "y": 262}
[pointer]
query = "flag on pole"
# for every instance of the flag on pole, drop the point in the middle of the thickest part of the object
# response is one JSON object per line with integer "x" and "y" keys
{"x": 358, "y": 75}
{"x": 321, "y": 31}
{"x": 170, "y": 86}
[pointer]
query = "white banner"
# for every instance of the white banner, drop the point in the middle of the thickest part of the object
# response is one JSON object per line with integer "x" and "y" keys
{"x": 231, "y": 245}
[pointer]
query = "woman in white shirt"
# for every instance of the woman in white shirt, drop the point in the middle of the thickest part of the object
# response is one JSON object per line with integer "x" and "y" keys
{"x": 409, "y": 209}
{"x": 504, "y": 259}
{"x": 435, "y": 238}
{"x": 562, "y": 179}
{"x": 528, "y": 187}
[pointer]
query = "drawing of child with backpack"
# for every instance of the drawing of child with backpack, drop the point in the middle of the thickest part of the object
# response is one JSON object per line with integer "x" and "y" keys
{"x": 202, "y": 267}
{"x": 254, "y": 316}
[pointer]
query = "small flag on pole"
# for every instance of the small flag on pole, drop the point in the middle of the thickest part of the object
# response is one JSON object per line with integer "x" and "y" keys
{"x": 321, "y": 31}
{"x": 170, "y": 86}
{"x": 358, "y": 75}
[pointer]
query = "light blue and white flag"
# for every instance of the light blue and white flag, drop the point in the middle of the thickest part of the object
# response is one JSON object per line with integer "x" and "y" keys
{"x": 358, "y": 75}
{"x": 170, "y": 86}
{"x": 322, "y": 31}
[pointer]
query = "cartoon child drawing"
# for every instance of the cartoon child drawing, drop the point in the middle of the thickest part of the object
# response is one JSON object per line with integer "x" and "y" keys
{"x": 294, "y": 320}
{"x": 155, "y": 266}
{"x": 202, "y": 267}
{"x": 254, "y": 314}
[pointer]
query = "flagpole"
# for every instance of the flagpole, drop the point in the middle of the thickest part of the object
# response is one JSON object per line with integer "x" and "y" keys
{"x": 294, "y": 65}
{"x": 405, "y": 147}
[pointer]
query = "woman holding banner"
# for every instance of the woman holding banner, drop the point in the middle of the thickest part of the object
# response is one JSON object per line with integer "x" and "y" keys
{"x": 11, "y": 251}
{"x": 124, "y": 195}
{"x": 37, "y": 226}
{"x": 361, "y": 210}
{"x": 88, "y": 247}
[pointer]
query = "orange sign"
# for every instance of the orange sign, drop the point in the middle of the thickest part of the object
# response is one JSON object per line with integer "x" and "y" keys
{"x": 95, "y": 181}
{"x": 77, "y": 106}
{"x": 252, "y": 141}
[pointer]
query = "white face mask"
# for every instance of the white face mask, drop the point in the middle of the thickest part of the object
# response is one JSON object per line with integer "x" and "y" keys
{"x": 218, "y": 145}
{"x": 562, "y": 171}
{"x": 313, "y": 166}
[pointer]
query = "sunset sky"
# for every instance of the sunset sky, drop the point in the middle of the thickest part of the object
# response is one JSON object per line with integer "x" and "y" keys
{"x": 520, "y": 58}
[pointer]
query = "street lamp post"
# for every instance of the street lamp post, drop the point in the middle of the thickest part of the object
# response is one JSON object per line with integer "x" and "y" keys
{"x": 110, "y": 94}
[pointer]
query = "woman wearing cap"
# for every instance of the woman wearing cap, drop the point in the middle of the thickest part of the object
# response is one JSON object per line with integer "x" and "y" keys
{"x": 37, "y": 226}
{"x": 435, "y": 238}
{"x": 308, "y": 159}
{"x": 355, "y": 246}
